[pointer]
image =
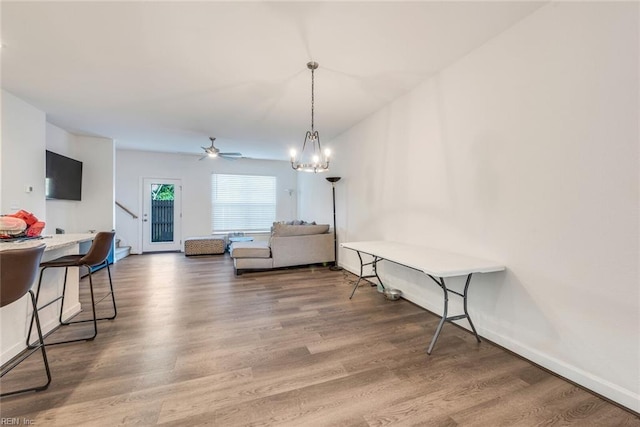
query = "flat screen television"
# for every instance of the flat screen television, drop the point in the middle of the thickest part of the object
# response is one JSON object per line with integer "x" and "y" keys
{"x": 63, "y": 177}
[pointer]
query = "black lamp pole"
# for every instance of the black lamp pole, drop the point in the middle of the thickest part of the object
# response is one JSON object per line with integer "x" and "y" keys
{"x": 333, "y": 180}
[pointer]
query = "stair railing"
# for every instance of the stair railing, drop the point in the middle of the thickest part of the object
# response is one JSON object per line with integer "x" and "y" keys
{"x": 118, "y": 204}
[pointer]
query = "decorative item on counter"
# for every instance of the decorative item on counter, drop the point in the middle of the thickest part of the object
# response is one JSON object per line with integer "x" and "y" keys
{"x": 11, "y": 227}
{"x": 36, "y": 229}
{"x": 21, "y": 224}
{"x": 28, "y": 217}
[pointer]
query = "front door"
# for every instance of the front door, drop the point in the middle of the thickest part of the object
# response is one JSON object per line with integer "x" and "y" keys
{"x": 161, "y": 213}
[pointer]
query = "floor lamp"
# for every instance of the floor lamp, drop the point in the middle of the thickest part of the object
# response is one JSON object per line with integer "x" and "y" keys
{"x": 333, "y": 180}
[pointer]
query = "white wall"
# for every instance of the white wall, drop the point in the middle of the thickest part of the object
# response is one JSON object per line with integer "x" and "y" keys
{"x": 133, "y": 166}
{"x": 315, "y": 201}
{"x": 61, "y": 213}
{"x": 22, "y": 158}
{"x": 525, "y": 152}
{"x": 96, "y": 210}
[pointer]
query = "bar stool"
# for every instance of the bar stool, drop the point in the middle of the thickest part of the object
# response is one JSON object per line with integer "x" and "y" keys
{"x": 18, "y": 269}
{"x": 96, "y": 257}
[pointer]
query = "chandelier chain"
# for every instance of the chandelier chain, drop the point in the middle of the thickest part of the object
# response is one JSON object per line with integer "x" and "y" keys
{"x": 312, "y": 99}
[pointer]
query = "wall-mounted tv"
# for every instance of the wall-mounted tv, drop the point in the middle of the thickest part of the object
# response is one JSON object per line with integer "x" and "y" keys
{"x": 63, "y": 177}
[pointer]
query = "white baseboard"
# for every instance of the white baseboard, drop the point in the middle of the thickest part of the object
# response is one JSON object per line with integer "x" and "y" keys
{"x": 72, "y": 311}
{"x": 18, "y": 347}
{"x": 611, "y": 391}
{"x": 12, "y": 352}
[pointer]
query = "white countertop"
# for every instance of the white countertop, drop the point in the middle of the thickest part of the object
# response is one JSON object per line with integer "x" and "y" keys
{"x": 430, "y": 261}
{"x": 52, "y": 242}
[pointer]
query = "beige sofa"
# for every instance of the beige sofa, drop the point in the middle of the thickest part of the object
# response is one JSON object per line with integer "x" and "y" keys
{"x": 289, "y": 245}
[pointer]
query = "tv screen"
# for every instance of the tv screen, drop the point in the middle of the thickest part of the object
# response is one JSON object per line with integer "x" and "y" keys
{"x": 63, "y": 177}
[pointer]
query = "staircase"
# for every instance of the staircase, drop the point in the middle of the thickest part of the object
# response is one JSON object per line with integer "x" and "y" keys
{"x": 121, "y": 251}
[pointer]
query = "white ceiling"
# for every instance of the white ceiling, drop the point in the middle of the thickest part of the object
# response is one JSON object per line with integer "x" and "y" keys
{"x": 163, "y": 76}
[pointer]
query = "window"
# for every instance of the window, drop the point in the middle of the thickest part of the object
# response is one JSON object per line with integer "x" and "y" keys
{"x": 242, "y": 202}
{"x": 162, "y": 201}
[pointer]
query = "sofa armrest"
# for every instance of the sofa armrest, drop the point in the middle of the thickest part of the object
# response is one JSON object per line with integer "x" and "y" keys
{"x": 302, "y": 250}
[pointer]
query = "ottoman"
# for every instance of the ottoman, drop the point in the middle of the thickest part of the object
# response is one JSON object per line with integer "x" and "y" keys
{"x": 204, "y": 246}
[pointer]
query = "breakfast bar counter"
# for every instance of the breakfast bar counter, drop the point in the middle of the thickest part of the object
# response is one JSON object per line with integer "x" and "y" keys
{"x": 56, "y": 241}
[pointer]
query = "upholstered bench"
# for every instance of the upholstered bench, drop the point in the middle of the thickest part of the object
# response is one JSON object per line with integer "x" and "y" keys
{"x": 251, "y": 255}
{"x": 208, "y": 245}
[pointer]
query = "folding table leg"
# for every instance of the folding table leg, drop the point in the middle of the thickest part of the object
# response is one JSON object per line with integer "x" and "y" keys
{"x": 445, "y": 318}
{"x": 444, "y": 314}
{"x": 374, "y": 264}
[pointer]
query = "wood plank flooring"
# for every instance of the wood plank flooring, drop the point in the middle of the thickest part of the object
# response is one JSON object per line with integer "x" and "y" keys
{"x": 195, "y": 345}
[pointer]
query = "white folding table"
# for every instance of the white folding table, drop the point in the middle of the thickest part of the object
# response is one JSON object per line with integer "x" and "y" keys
{"x": 434, "y": 263}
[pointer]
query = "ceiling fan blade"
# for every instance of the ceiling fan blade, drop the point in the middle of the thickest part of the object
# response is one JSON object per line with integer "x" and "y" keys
{"x": 203, "y": 157}
{"x": 230, "y": 154}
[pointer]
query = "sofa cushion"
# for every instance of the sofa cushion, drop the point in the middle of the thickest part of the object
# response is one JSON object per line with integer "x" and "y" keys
{"x": 250, "y": 250}
{"x": 283, "y": 230}
{"x": 252, "y": 264}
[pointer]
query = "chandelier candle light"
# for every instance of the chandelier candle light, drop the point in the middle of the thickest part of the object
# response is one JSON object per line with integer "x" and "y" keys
{"x": 314, "y": 159}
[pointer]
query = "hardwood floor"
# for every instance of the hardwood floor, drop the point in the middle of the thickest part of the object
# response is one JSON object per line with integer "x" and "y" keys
{"x": 195, "y": 345}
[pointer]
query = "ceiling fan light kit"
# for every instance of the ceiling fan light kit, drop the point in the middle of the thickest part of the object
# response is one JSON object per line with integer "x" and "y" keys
{"x": 213, "y": 152}
{"x": 312, "y": 157}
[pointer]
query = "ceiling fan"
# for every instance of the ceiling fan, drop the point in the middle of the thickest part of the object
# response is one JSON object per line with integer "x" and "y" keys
{"x": 212, "y": 151}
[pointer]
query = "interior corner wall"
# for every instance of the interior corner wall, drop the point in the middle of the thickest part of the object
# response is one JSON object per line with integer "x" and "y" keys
{"x": 526, "y": 152}
{"x": 22, "y": 157}
{"x": 133, "y": 166}
{"x": 96, "y": 210}
{"x": 315, "y": 200}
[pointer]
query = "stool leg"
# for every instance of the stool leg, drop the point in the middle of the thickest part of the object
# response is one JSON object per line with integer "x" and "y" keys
{"x": 64, "y": 292}
{"x": 93, "y": 319}
{"x": 93, "y": 307}
{"x": 35, "y": 308}
{"x": 40, "y": 345}
{"x": 110, "y": 293}
{"x": 113, "y": 296}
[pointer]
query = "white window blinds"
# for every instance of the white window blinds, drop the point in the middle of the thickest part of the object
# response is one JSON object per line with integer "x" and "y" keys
{"x": 242, "y": 202}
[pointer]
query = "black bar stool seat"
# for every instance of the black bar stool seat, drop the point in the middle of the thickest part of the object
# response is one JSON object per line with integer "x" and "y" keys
{"x": 18, "y": 270}
{"x": 96, "y": 257}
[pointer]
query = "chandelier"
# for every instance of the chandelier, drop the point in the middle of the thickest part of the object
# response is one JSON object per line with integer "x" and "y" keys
{"x": 312, "y": 158}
